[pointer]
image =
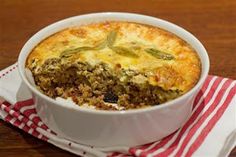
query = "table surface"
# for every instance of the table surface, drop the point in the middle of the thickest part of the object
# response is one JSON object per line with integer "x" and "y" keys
{"x": 212, "y": 22}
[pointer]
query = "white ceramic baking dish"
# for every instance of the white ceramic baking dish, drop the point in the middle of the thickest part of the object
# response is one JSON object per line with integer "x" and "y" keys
{"x": 113, "y": 128}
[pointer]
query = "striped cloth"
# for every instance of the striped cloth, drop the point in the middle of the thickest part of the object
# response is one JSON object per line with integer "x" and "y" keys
{"x": 210, "y": 131}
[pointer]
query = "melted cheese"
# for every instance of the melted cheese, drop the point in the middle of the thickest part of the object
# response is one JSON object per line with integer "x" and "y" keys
{"x": 180, "y": 73}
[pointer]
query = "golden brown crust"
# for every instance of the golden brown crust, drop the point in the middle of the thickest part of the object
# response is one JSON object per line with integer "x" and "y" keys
{"x": 180, "y": 73}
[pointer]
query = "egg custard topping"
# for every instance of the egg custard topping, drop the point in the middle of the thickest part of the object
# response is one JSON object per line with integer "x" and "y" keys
{"x": 128, "y": 64}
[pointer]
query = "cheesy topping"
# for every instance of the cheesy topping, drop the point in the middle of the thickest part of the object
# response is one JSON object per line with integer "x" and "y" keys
{"x": 181, "y": 71}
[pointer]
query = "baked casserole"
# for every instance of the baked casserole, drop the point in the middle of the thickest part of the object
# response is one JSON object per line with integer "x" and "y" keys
{"x": 114, "y": 65}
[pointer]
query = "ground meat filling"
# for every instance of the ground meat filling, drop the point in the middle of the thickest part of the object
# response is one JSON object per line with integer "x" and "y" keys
{"x": 98, "y": 85}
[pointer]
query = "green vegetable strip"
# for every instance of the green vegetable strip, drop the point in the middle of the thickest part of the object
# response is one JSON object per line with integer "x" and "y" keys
{"x": 159, "y": 54}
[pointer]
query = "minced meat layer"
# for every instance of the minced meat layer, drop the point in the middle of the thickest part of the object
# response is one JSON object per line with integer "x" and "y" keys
{"x": 98, "y": 85}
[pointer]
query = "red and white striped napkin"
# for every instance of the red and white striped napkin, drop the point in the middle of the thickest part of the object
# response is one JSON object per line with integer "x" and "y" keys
{"x": 209, "y": 132}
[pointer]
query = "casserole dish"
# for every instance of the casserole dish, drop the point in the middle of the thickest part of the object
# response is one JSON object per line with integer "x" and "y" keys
{"x": 113, "y": 128}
